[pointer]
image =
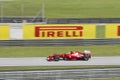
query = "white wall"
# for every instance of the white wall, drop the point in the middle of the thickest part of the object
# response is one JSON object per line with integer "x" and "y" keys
{"x": 16, "y": 31}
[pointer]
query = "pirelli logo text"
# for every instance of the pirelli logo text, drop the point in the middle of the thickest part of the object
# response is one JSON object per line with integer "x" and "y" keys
{"x": 118, "y": 31}
{"x": 59, "y": 31}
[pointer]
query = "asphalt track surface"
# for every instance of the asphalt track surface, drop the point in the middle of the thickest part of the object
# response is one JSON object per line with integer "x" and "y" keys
{"x": 41, "y": 61}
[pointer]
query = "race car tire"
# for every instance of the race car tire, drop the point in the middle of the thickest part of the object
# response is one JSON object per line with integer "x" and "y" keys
{"x": 56, "y": 58}
{"x": 86, "y": 58}
{"x": 65, "y": 58}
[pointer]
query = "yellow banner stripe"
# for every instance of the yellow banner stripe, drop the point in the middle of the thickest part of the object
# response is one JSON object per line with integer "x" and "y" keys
{"x": 4, "y": 32}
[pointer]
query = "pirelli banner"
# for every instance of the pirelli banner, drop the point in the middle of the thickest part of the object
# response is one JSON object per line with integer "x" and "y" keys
{"x": 59, "y": 31}
{"x": 112, "y": 31}
{"x": 4, "y": 32}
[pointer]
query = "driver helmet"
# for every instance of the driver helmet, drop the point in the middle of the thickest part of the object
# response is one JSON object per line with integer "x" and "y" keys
{"x": 86, "y": 51}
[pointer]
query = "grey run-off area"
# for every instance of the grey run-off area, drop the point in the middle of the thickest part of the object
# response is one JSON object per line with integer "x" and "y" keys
{"x": 41, "y": 61}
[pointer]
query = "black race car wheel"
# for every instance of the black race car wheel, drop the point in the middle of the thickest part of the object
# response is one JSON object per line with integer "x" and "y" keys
{"x": 65, "y": 58}
{"x": 86, "y": 58}
{"x": 56, "y": 58}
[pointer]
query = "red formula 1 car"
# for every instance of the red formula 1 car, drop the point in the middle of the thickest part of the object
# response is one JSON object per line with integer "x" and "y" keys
{"x": 72, "y": 55}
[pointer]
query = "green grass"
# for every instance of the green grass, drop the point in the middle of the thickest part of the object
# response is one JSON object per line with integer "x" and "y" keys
{"x": 100, "y": 31}
{"x": 65, "y": 8}
{"x": 97, "y": 50}
{"x": 54, "y": 67}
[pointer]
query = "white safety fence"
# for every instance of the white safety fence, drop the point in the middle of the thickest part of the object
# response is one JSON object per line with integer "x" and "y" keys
{"x": 69, "y": 74}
